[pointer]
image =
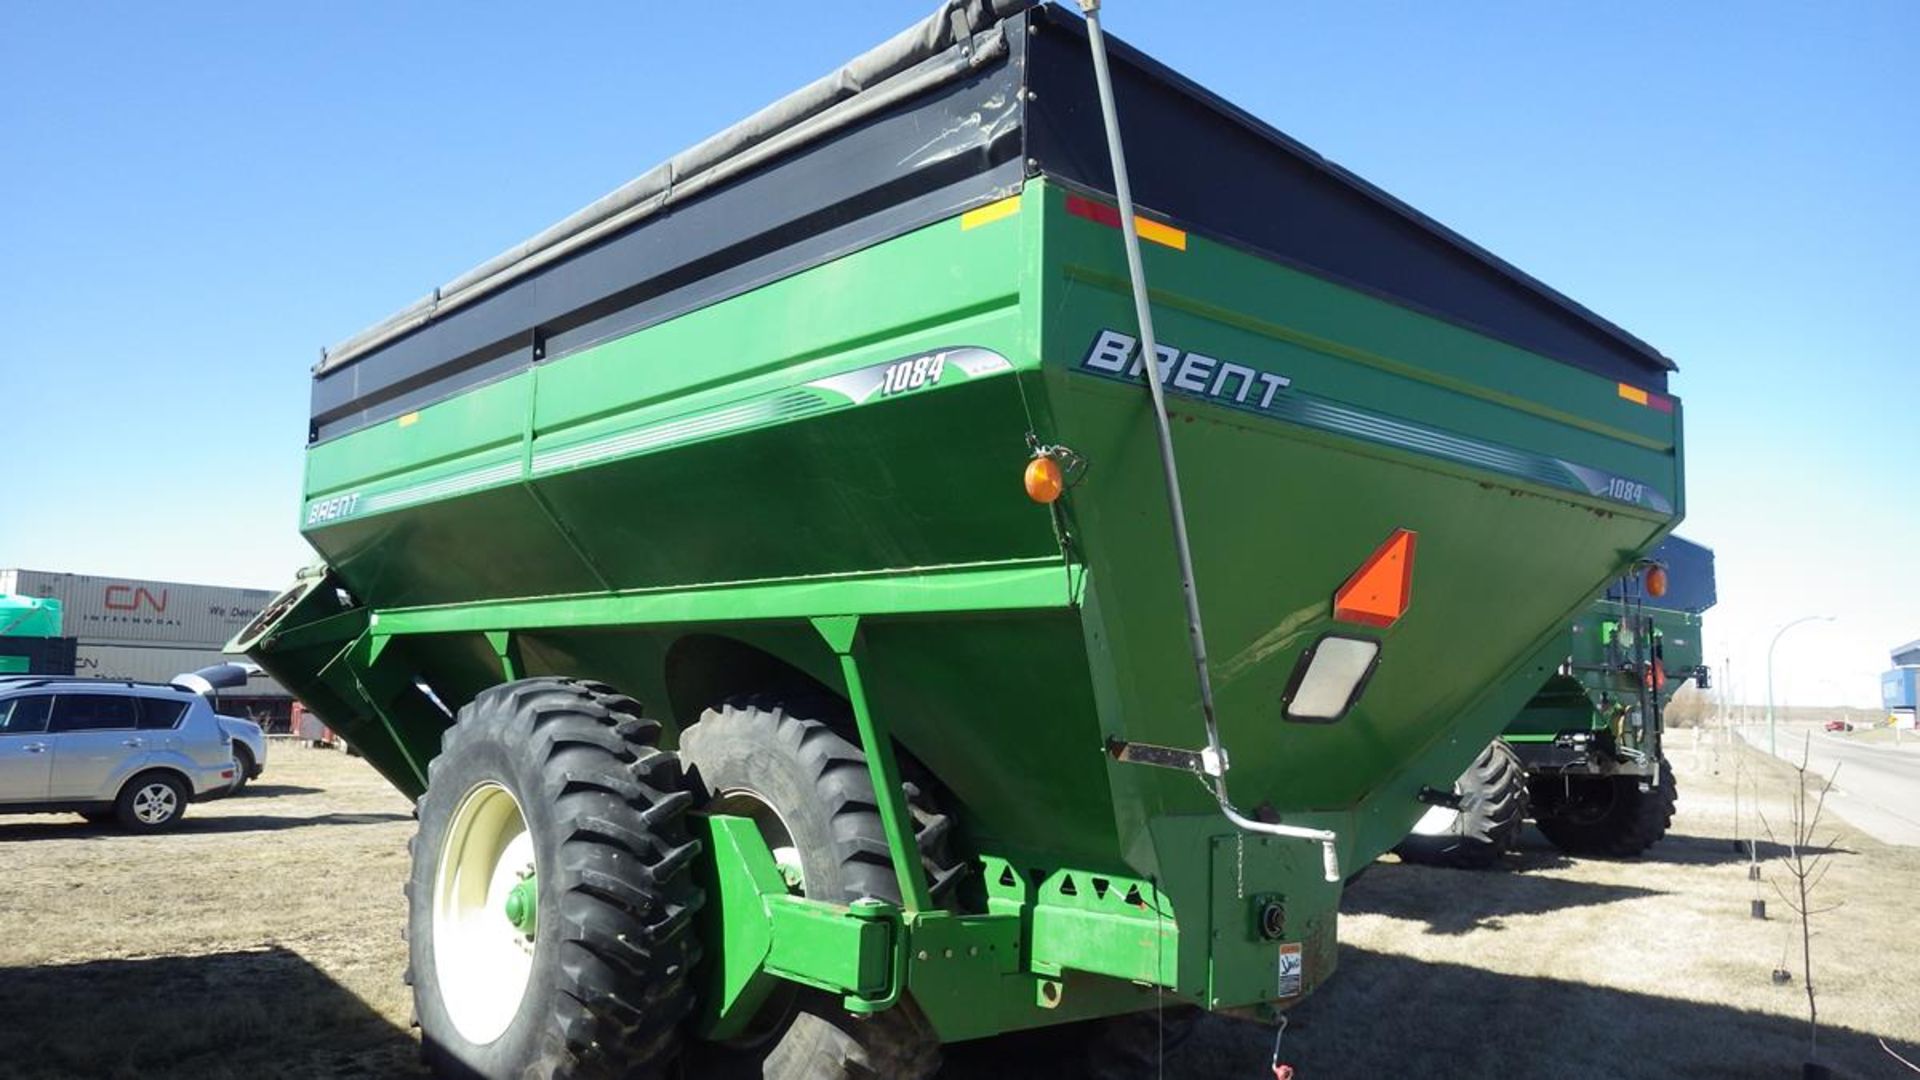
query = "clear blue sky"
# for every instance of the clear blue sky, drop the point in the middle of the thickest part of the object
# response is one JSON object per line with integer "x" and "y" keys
{"x": 194, "y": 199}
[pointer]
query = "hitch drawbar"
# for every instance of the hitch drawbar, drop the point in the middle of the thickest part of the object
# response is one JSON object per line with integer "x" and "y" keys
{"x": 1212, "y": 762}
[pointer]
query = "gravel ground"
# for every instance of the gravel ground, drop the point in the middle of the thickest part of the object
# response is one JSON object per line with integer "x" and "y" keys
{"x": 263, "y": 939}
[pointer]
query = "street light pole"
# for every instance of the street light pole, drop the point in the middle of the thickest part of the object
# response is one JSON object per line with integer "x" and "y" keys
{"x": 1773, "y": 742}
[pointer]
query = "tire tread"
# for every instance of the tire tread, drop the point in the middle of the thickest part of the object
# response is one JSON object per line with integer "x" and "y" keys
{"x": 624, "y": 857}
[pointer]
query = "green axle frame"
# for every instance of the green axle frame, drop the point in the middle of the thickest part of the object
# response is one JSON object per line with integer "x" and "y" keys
{"x": 1071, "y": 946}
{"x": 1061, "y": 946}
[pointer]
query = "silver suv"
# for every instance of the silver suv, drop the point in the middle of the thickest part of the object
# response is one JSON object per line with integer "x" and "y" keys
{"x": 134, "y": 752}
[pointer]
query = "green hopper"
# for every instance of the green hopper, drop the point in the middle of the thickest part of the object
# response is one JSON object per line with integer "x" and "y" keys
{"x": 765, "y": 581}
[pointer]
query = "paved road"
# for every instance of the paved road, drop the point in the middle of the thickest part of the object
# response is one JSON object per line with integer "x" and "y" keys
{"x": 1878, "y": 787}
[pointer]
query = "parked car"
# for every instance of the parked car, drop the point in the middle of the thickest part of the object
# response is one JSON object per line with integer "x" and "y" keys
{"x": 249, "y": 741}
{"x": 137, "y": 753}
{"x": 249, "y": 750}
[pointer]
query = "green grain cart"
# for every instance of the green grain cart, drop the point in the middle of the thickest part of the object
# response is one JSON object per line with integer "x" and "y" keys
{"x": 771, "y": 585}
{"x": 30, "y": 641}
{"x": 1584, "y": 758}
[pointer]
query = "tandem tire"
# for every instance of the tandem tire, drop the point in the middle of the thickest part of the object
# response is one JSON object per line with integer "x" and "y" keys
{"x": 551, "y": 804}
{"x": 807, "y": 787}
{"x": 1608, "y": 816}
{"x": 1493, "y": 809}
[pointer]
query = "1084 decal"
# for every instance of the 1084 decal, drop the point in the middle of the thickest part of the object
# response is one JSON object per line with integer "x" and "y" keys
{"x": 922, "y": 371}
{"x": 912, "y": 373}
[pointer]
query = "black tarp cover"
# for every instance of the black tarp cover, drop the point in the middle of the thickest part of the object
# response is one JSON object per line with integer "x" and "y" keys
{"x": 953, "y": 112}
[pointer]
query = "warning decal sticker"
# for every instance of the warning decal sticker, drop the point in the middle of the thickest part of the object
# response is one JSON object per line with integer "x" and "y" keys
{"x": 1292, "y": 968}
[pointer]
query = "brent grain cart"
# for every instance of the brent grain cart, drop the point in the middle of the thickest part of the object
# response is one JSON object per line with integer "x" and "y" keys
{"x": 768, "y": 581}
{"x": 1584, "y": 758}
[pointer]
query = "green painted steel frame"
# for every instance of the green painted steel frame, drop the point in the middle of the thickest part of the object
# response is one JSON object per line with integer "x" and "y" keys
{"x": 1015, "y": 585}
{"x": 1043, "y": 953}
{"x": 764, "y": 934}
{"x": 969, "y": 974}
{"x": 1066, "y": 947}
{"x": 842, "y": 633}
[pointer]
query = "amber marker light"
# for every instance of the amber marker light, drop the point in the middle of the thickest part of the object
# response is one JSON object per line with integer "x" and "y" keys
{"x": 1656, "y": 581}
{"x": 1044, "y": 480}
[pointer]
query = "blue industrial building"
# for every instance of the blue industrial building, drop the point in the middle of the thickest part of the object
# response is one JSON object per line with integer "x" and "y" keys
{"x": 1900, "y": 688}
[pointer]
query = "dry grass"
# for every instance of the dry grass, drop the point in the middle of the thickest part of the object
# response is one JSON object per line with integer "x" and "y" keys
{"x": 1589, "y": 968}
{"x": 264, "y": 940}
{"x": 261, "y": 939}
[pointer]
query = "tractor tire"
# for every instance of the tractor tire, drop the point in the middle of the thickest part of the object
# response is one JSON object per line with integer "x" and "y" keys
{"x": 1493, "y": 809}
{"x": 560, "y": 778}
{"x": 1608, "y": 816}
{"x": 807, "y": 786}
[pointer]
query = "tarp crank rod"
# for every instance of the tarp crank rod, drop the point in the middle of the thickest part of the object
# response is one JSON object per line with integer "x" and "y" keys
{"x": 1216, "y": 758}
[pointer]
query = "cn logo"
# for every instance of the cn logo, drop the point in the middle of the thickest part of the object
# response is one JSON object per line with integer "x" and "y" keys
{"x": 134, "y": 598}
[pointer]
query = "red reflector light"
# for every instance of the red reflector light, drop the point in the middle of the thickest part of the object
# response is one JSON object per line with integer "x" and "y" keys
{"x": 1149, "y": 229}
{"x": 1378, "y": 593}
{"x": 226, "y": 774}
{"x": 1079, "y": 206}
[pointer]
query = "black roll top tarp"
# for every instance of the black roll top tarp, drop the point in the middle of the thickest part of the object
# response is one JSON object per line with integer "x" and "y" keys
{"x": 932, "y": 122}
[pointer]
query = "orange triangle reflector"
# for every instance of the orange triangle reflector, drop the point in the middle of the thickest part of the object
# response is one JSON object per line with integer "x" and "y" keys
{"x": 1378, "y": 593}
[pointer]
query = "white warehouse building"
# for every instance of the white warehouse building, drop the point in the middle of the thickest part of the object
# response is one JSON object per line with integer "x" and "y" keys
{"x": 151, "y": 631}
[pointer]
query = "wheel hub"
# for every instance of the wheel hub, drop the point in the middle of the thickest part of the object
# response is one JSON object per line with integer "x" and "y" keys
{"x": 523, "y": 905}
{"x": 153, "y": 803}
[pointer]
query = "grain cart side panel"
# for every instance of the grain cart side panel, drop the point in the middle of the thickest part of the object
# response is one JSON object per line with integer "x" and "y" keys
{"x": 690, "y": 417}
{"x": 1312, "y": 422}
{"x": 1297, "y": 493}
